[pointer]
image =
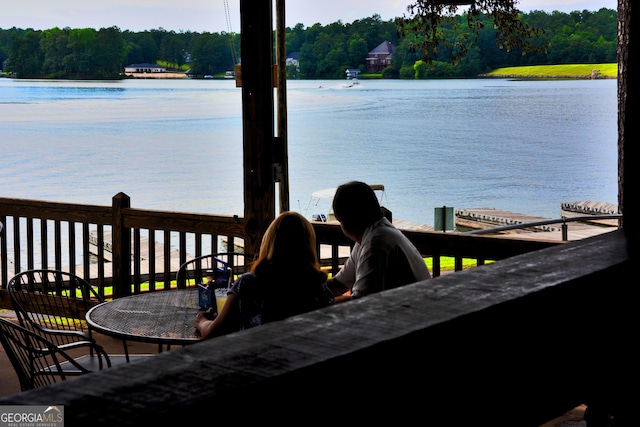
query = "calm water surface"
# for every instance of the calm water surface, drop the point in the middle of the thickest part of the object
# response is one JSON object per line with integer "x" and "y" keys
{"x": 522, "y": 146}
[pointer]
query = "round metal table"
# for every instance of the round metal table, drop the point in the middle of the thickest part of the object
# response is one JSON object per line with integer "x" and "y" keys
{"x": 162, "y": 317}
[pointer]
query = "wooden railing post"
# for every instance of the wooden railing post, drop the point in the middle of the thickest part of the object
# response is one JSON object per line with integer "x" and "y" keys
{"x": 121, "y": 250}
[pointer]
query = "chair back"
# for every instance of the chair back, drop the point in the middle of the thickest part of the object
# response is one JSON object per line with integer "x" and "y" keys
{"x": 53, "y": 303}
{"x": 224, "y": 266}
{"x": 36, "y": 360}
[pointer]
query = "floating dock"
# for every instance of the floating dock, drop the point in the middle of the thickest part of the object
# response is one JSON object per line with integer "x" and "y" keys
{"x": 575, "y": 209}
{"x": 487, "y": 218}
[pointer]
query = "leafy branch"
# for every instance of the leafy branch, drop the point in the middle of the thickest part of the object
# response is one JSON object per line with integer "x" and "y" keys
{"x": 434, "y": 24}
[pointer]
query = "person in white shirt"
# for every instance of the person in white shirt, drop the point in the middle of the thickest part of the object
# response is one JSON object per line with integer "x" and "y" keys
{"x": 383, "y": 257}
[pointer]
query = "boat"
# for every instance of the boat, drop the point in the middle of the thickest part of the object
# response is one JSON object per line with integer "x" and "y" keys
{"x": 321, "y": 201}
{"x": 353, "y": 82}
{"x": 352, "y": 76}
{"x": 352, "y": 73}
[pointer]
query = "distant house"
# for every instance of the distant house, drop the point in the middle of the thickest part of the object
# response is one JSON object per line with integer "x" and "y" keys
{"x": 144, "y": 68}
{"x": 292, "y": 59}
{"x": 380, "y": 57}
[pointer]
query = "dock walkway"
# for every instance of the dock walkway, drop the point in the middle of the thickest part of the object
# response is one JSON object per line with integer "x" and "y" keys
{"x": 487, "y": 218}
{"x": 574, "y": 209}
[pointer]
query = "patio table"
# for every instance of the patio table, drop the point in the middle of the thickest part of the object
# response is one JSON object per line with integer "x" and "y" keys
{"x": 162, "y": 317}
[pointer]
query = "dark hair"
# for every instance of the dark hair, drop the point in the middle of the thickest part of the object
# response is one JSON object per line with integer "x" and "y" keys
{"x": 289, "y": 268}
{"x": 290, "y": 240}
{"x": 356, "y": 206}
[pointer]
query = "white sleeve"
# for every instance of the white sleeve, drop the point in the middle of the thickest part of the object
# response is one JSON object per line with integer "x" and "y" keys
{"x": 347, "y": 275}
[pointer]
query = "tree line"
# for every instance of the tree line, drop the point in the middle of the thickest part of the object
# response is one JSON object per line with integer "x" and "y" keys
{"x": 324, "y": 51}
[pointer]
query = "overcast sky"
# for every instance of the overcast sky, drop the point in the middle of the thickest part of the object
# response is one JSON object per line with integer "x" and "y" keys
{"x": 209, "y": 15}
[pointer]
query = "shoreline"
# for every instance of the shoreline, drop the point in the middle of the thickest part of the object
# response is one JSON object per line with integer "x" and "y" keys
{"x": 168, "y": 75}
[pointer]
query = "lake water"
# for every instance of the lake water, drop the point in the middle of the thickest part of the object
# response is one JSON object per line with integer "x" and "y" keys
{"x": 522, "y": 146}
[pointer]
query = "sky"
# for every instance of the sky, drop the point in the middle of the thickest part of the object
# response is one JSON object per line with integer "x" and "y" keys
{"x": 209, "y": 15}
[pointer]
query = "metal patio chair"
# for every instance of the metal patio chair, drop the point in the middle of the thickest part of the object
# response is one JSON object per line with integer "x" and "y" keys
{"x": 53, "y": 304}
{"x": 39, "y": 362}
{"x": 224, "y": 266}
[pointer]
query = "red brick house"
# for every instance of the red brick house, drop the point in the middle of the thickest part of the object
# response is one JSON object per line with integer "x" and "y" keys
{"x": 380, "y": 57}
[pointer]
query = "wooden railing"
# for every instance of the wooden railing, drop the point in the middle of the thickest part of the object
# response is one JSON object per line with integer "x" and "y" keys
{"x": 92, "y": 241}
{"x": 575, "y": 289}
{"x": 547, "y": 330}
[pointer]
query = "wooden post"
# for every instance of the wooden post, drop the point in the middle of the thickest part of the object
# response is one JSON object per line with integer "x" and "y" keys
{"x": 121, "y": 249}
{"x": 281, "y": 59}
{"x": 256, "y": 22}
{"x": 627, "y": 151}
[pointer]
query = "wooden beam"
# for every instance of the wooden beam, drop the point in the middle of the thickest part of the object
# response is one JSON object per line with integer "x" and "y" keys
{"x": 627, "y": 131}
{"x": 542, "y": 329}
{"x": 121, "y": 246}
{"x": 256, "y": 22}
{"x": 282, "y": 160}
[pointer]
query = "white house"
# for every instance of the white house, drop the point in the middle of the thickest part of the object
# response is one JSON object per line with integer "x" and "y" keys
{"x": 144, "y": 68}
{"x": 292, "y": 59}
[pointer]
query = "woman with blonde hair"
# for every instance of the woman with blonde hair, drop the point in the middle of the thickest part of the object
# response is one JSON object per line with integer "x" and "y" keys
{"x": 284, "y": 280}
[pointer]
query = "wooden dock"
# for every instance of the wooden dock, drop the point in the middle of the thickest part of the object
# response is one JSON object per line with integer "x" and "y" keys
{"x": 402, "y": 224}
{"x": 487, "y": 218}
{"x": 586, "y": 208}
{"x": 144, "y": 255}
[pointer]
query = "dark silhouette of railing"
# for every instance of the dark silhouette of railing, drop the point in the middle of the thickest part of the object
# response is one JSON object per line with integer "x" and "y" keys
{"x": 76, "y": 238}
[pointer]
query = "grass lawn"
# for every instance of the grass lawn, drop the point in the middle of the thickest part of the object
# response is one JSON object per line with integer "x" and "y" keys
{"x": 557, "y": 71}
{"x": 581, "y": 71}
{"x": 448, "y": 263}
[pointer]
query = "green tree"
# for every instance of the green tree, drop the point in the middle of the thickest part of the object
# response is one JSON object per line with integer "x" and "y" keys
{"x": 307, "y": 60}
{"x": 141, "y": 48}
{"x": 25, "y": 55}
{"x": 78, "y": 61}
{"x": 407, "y": 72}
{"x": 108, "y": 53}
{"x": 334, "y": 63}
{"x": 440, "y": 27}
{"x": 405, "y": 55}
{"x": 211, "y": 54}
{"x": 53, "y": 44}
{"x": 420, "y": 69}
{"x": 326, "y": 51}
{"x": 358, "y": 50}
{"x": 294, "y": 38}
{"x": 6, "y": 40}
{"x": 172, "y": 49}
